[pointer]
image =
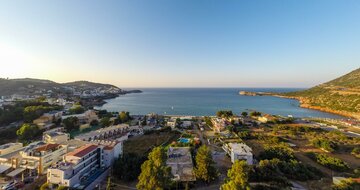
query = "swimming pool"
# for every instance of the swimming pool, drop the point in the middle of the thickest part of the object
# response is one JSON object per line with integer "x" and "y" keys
{"x": 184, "y": 140}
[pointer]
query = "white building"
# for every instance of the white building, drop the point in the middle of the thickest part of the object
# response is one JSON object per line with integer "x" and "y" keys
{"x": 171, "y": 123}
{"x": 9, "y": 156}
{"x": 104, "y": 133}
{"x": 41, "y": 157}
{"x": 180, "y": 161}
{"x": 76, "y": 166}
{"x": 83, "y": 165}
{"x": 219, "y": 124}
{"x": 10, "y": 147}
{"x": 86, "y": 117}
{"x": 112, "y": 150}
{"x": 186, "y": 124}
{"x": 239, "y": 151}
{"x": 56, "y": 137}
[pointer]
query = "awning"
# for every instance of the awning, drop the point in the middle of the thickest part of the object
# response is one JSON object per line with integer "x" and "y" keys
{"x": 3, "y": 168}
{"x": 15, "y": 172}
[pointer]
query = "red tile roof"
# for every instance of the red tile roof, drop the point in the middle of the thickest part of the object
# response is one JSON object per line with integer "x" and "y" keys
{"x": 47, "y": 147}
{"x": 108, "y": 147}
{"x": 82, "y": 151}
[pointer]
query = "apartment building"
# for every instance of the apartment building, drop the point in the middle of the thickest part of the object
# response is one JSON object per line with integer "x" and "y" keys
{"x": 41, "y": 157}
{"x": 87, "y": 117}
{"x": 239, "y": 151}
{"x": 56, "y": 137}
{"x": 77, "y": 167}
{"x": 10, "y": 147}
{"x": 105, "y": 133}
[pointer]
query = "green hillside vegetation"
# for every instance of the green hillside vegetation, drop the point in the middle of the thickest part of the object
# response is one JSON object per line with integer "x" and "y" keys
{"x": 29, "y": 86}
{"x": 341, "y": 95}
{"x": 87, "y": 84}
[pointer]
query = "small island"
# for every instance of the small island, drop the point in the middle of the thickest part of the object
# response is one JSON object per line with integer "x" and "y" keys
{"x": 247, "y": 93}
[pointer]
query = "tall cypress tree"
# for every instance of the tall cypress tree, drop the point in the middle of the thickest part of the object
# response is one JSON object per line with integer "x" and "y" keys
{"x": 205, "y": 169}
{"x": 237, "y": 177}
{"x": 155, "y": 174}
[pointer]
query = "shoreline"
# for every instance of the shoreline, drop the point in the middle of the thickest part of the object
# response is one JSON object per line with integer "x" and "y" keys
{"x": 302, "y": 103}
{"x": 100, "y": 101}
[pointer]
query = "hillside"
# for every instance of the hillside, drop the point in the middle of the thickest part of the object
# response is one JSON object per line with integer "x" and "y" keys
{"x": 25, "y": 86}
{"x": 89, "y": 85}
{"x": 340, "y": 96}
{"x": 29, "y": 86}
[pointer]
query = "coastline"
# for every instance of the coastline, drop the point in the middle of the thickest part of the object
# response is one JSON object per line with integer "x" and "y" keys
{"x": 100, "y": 101}
{"x": 304, "y": 103}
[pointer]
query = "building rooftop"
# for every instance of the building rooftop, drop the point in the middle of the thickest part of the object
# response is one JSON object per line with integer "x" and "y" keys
{"x": 101, "y": 131}
{"x": 240, "y": 148}
{"x": 179, "y": 159}
{"x": 54, "y": 134}
{"x": 5, "y": 146}
{"x": 33, "y": 145}
{"x": 108, "y": 145}
{"x": 57, "y": 129}
{"x": 82, "y": 151}
{"x": 47, "y": 147}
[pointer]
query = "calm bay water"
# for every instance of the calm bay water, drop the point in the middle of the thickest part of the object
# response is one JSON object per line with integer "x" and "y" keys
{"x": 206, "y": 101}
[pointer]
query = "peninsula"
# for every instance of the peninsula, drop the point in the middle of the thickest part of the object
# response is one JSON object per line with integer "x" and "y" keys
{"x": 340, "y": 96}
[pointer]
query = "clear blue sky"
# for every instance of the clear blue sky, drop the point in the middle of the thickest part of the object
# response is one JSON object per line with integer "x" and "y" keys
{"x": 183, "y": 43}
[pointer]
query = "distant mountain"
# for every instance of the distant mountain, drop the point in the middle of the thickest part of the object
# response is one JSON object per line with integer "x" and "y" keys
{"x": 340, "y": 96}
{"x": 29, "y": 86}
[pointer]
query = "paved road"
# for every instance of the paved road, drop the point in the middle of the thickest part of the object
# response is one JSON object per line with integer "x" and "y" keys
{"x": 201, "y": 136}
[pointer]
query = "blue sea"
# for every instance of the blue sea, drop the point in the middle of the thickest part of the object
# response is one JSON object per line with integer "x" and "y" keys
{"x": 206, "y": 101}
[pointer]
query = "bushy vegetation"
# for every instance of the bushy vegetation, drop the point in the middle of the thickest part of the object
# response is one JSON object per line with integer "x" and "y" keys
{"x": 205, "y": 166}
{"x": 327, "y": 95}
{"x": 237, "y": 177}
{"x": 127, "y": 167}
{"x": 71, "y": 124}
{"x": 208, "y": 121}
{"x": 279, "y": 172}
{"x": 25, "y": 110}
{"x": 347, "y": 184}
{"x": 28, "y": 132}
{"x": 224, "y": 113}
{"x": 155, "y": 174}
{"x": 244, "y": 134}
{"x": 329, "y": 161}
{"x": 8, "y": 134}
{"x": 356, "y": 152}
{"x": 124, "y": 117}
{"x": 280, "y": 151}
{"x": 105, "y": 122}
{"x": 77, "y": 109}
{"x": 324, "y": 144}
{"x": 255, "y": 114}
{"x": 336, "y": 138}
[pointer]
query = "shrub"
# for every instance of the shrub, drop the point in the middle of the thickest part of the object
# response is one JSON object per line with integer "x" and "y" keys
{"x": 356, "y": 152}
{"x": 280, "y": 151}
{"x": 224, "y": 113}
{"x": 127, "y": 167}
{"x": 328, "y": 161}
{"x": 255, "y": 114}
{"x": 244, "y": 134}
{"x": 324, "y": 144}
{"x": 347, "y": 184}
